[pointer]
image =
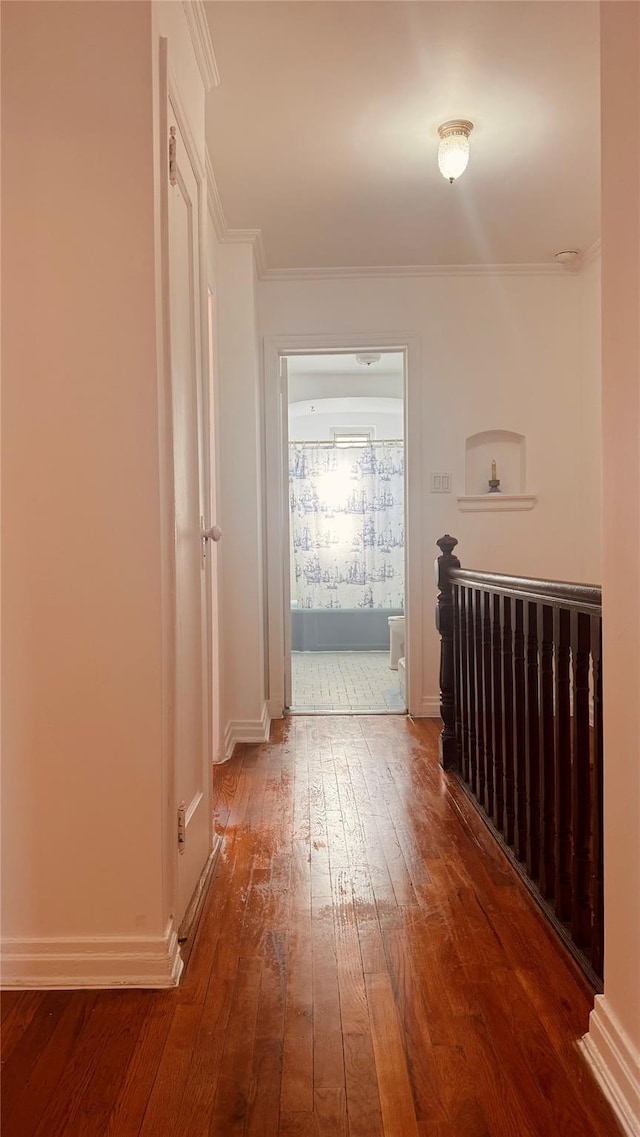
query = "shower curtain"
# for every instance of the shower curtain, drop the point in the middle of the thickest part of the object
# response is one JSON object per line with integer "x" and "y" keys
{"x": 347, "y": 525}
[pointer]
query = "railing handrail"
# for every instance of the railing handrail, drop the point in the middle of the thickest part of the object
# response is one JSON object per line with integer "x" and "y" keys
{"x": 521, "y": 708}
{"x": 567, "y": 594}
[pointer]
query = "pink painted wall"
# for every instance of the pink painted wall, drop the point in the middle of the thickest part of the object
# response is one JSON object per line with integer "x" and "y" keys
{"x": 620, "y": 30}
{"x": 82, "y": 802}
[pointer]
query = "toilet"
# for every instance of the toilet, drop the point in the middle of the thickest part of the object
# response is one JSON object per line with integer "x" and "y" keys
{"x": 396, "y": 640}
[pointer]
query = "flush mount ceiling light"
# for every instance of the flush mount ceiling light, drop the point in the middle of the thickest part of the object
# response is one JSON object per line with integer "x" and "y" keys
{"x": 568, "y": 258}
{"x": 453, "y": 151}
{"x": 366, "y": 358}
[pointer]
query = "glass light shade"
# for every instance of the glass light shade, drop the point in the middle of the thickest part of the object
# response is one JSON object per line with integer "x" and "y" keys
{"x": 453, "y": 151}
{"x": 453, "y": 155}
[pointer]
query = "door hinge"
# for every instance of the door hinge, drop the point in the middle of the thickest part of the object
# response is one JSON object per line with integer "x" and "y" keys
{"x": 182, "y": 827}
{"x": 173, "y": 178}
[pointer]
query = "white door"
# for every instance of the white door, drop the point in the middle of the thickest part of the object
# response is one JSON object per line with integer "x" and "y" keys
{"x": 211, "y": 546}
{"x": 287, "y": 559}
{"x": 189, "y": 413}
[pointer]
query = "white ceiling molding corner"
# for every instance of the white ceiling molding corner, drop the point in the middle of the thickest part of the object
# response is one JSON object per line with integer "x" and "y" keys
{"x": 249, "y": 237}
{"x": 226, "y": 235}
{"x": 202, "y": 44}
{"x": 214, "y": 202}
{"x": 590, "y": 255}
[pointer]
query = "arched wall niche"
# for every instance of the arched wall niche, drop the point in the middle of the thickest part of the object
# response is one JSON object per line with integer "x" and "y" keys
{"x": 504, "y": 447}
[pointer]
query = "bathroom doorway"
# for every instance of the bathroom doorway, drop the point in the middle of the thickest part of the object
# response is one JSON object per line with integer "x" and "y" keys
{"x": 346, "y": 513}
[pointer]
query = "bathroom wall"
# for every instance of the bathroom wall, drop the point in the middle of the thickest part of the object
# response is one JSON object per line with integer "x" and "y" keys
{"x": 384, "y": 415}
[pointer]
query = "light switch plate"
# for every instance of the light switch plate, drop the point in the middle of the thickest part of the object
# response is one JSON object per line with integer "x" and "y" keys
{"x": 440, "y": 483}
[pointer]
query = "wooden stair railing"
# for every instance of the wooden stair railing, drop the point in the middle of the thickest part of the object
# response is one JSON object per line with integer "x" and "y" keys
{"x": 521, "y": 705}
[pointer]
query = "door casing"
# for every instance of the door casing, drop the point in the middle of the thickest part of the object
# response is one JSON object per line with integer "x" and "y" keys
{"x": 276, "y": 505}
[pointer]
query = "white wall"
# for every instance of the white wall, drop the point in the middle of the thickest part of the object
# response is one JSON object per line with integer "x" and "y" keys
{"x": 384, "y": 415}
{"x": 87, "y": 825}
{"x": 590, "y": 411}
{"x": 241, "y": 514}
{"x": 613, "y": 1042}
{"x": 497, "y": 352}
{"x": 82, "y": 786}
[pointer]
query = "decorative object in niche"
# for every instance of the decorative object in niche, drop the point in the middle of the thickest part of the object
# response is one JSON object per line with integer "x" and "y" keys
{"x": 492, "y": 450}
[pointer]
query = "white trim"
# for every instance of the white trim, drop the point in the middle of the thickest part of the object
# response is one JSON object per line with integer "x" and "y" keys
{"x": 246, "y": 730}
{"x": 615, "y": 1063}
{"x": 214, "y": 201}
{"x": 93, "y": 961}
{"x": 429, "y": 707}
{"x": 373, "y": 271}
{"x": 232, "y": 236}
{"x": 194, "y": 11}
{"x": 590, "y": 255}
{"x": 496, "y": 502}
{"x": 331, "y": 343}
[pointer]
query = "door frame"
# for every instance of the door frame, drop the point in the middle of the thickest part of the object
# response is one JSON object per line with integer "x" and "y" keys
{"x": 169, "y": 95}
{"x": 275, "y": 500}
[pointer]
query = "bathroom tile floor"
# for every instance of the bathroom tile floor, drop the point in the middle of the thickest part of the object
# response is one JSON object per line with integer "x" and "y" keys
{"x": 345, "y": 681}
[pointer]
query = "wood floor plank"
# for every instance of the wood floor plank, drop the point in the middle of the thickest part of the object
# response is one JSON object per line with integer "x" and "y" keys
{"x": 394, "y": 1087}
{"x": 363, "y": 1099}
{"x": 163, "y": 1108}
{"x": 26, "y": 1094}
{"x": 231, "y": 1105}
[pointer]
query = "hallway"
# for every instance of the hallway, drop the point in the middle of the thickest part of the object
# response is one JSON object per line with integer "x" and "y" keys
{"x": 367, "y": 964}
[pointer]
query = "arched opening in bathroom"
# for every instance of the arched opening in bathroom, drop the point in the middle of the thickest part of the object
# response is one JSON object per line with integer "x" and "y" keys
{"x": 346, "y": 512}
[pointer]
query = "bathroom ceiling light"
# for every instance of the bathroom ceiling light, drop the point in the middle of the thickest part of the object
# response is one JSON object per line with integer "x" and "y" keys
{"x": 453, "y": 151}
{"x": 366, "y": 358}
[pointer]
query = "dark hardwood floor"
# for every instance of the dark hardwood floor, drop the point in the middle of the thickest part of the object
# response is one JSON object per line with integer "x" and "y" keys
{"x": 366, "y": 964}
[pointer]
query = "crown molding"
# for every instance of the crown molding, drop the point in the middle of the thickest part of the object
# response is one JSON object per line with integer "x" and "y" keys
{"x": 386, "y": 271}
{"x": 370, "y": 272}
{"x": 202, "y": 44}
{"x": 228, "y": 236}
{"x": 590, "y": 255}
{"x": 214, "y": 201}
{"x": 251, "y": 237}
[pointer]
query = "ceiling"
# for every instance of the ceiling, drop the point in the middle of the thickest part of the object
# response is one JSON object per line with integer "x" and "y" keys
{"x": 335, "y": 375}
{"x": 323, "y": 131}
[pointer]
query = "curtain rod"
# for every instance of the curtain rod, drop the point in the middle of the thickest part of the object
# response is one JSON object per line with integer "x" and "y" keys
{"x": 349, "y": 446}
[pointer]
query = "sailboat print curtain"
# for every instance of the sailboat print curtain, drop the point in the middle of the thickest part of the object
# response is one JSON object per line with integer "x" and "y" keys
{"x": 347, "y": 525}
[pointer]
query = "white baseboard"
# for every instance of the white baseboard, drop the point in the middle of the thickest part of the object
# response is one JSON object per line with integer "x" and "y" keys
{"x": 615, "y": 1062}
{"x": 429, "y": 707}
{"x": 100, "y": 961}
{"x": 247, "y": 730}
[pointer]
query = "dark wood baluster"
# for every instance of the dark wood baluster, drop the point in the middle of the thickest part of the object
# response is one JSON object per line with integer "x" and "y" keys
{"x": 562, "y": 793}
{"x": 547, "y": 752}
{"x": 532, "y": 751}
{"x": 477, "y": 640}
{"x": 581, "y": 781}
{"x": 496, "y": 688}
{"x": 520, "y": 731}
{"x": 507, "y": 719}
{"x": 464, "y": 678}
{"x": 471, "y": 693}
{"x": 488, "y": 702}
{"x": 597, "y": 927}
{"x": 444, "y": 622}
{"x": 457, "y": 679}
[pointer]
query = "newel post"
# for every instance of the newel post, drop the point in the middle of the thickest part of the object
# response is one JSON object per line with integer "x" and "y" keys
{"x": 444, "y": 623}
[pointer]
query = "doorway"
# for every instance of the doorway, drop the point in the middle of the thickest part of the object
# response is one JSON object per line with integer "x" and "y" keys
{"x": 345, "y": 485}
